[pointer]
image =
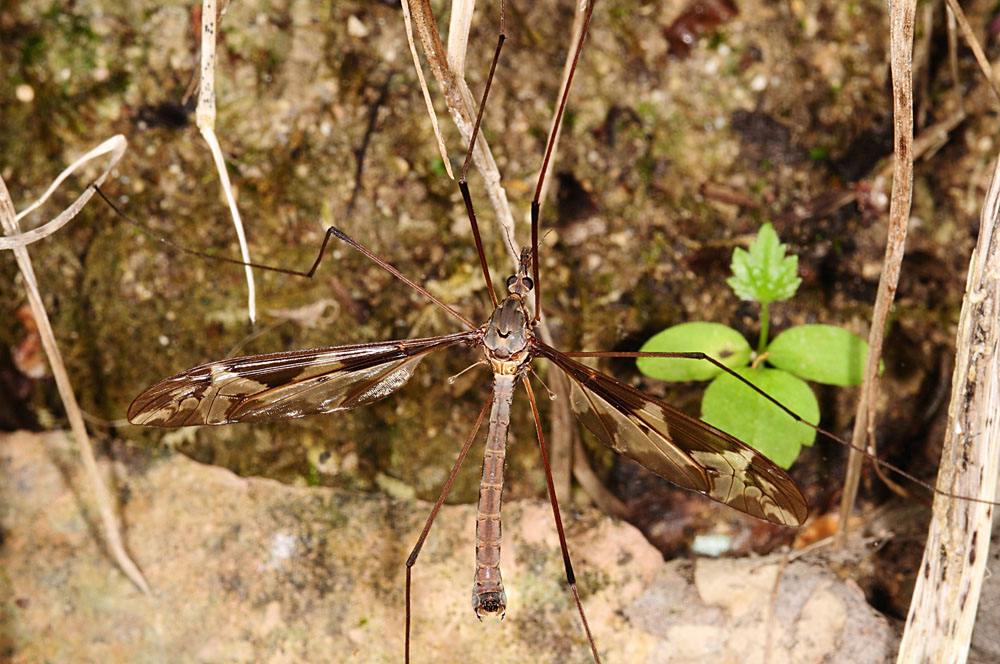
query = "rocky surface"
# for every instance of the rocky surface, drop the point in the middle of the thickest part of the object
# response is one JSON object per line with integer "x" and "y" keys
{"x": 251, "y": 570}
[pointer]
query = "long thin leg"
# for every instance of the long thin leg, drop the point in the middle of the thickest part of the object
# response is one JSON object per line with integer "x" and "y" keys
{"x": 486, "y": 91}
{"x": 462, "y": 185}
{"x": 341, "y": 235}
{"x": 479, "y": 241}
{"x": 331, "y": 231}
{"x": 570, "y": 576}
{"x": 697, "y": 355}
{"x": 212, "y": 257}
{"x": 412, "y": 559}
{"x": 535, "y": 202}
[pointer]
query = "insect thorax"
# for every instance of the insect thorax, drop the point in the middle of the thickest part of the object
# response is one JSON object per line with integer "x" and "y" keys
{"x": 506, "y": 339}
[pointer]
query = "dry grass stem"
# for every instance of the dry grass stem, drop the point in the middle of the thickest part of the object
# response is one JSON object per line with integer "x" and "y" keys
{"x": 566, "y": 453}
{"x": 901, "y": 19}
{"x": 606, "y": 501}
{"x": 458, "y": 35}
{"x": 970, "y": 39}
{"x": 579, "y": 16}
{"x": 114, "y": 147}
{"x": 953, "y": 57}
{"x": 206, "y": 124}
{"x": 459, "y": 101}
{"x": 9, "y": 222}
{"x": 946, "y": 597}
{"x": 442, "y": 148}
{"x": 922, "y": 62}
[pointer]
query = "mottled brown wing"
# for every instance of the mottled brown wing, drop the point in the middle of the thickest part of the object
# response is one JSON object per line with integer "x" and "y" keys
{"x": 279, "y": 386}
{"x": 680, "y": 448}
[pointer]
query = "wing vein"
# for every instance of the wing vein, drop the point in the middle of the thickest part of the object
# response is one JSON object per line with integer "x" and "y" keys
{"x": 277, "y": 386}
{"x": 678, "y": 447}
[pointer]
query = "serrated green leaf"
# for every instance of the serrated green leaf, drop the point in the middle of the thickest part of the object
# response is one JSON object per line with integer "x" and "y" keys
{"x": 822, "y": 353}
{"x": 764, "y": 273}
{"x": 723, "y": 343}
{"x": 738, "y": 410}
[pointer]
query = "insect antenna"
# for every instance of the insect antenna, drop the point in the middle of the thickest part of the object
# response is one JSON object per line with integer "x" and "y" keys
{"x": 510, "y": 240}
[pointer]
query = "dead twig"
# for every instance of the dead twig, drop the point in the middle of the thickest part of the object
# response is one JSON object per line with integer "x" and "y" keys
{"x": 901, "y": 18}
{"x": 943, "y": 609}
{"x": 205, "y": 115}
{"x": 458, "y": 99}
{"x": 11, "y": 226}
{"x": 566, "y": 463}
{"x": 977, "y": 50}
{"x": 359, "y": 154}
{"x": 408, "y": 22}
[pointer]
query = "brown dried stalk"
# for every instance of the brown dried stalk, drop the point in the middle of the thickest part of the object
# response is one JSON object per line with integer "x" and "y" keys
{"x": 205, "y": 115}
{"x": 11, "y": 226}
{"x": 901, "y": 17}
{"x": 977, "y": 50}
{"x": 458, "y": 98}
{"x": 943, "y": 608}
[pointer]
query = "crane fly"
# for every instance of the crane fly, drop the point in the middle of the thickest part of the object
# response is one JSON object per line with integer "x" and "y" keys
{"x": 675, "y": 446}
{"x": 680, "y": 448}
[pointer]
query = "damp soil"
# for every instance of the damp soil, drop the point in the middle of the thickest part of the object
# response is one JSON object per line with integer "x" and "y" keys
{"x": 666, "y": 164}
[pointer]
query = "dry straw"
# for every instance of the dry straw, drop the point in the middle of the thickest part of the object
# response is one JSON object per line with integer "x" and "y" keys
{"x": 17, "y": 242}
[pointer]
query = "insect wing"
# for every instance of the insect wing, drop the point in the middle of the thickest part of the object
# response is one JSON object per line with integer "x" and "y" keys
{"x": 680, "y": 448}
{"x": 278, "y": 386}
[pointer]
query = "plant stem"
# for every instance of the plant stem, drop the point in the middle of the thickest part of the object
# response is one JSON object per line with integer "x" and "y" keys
{"x": 764, "y": 324}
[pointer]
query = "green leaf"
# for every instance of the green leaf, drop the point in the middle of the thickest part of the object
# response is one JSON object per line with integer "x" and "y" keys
{"x": 822, "y": 353}
{"x": 764, "y": 273}
{"x": 738, "y": 410}
{"x": 723, "y": 343}
{"x": 819, "y": 153}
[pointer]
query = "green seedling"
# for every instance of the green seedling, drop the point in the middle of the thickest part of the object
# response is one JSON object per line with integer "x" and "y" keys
{"x": 820, "y": 353}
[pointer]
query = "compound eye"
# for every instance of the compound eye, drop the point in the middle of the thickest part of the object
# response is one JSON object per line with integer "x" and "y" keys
{"x": 511, "y": 281}
{"x": 528, "y": 283}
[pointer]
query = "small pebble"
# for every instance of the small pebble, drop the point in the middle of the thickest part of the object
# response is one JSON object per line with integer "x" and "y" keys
{"x": 25, "y": 93}
{"x": 355, "y": 27}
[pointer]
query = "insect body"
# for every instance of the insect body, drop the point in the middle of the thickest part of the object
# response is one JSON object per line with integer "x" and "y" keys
{"x": 506, "y": 341}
